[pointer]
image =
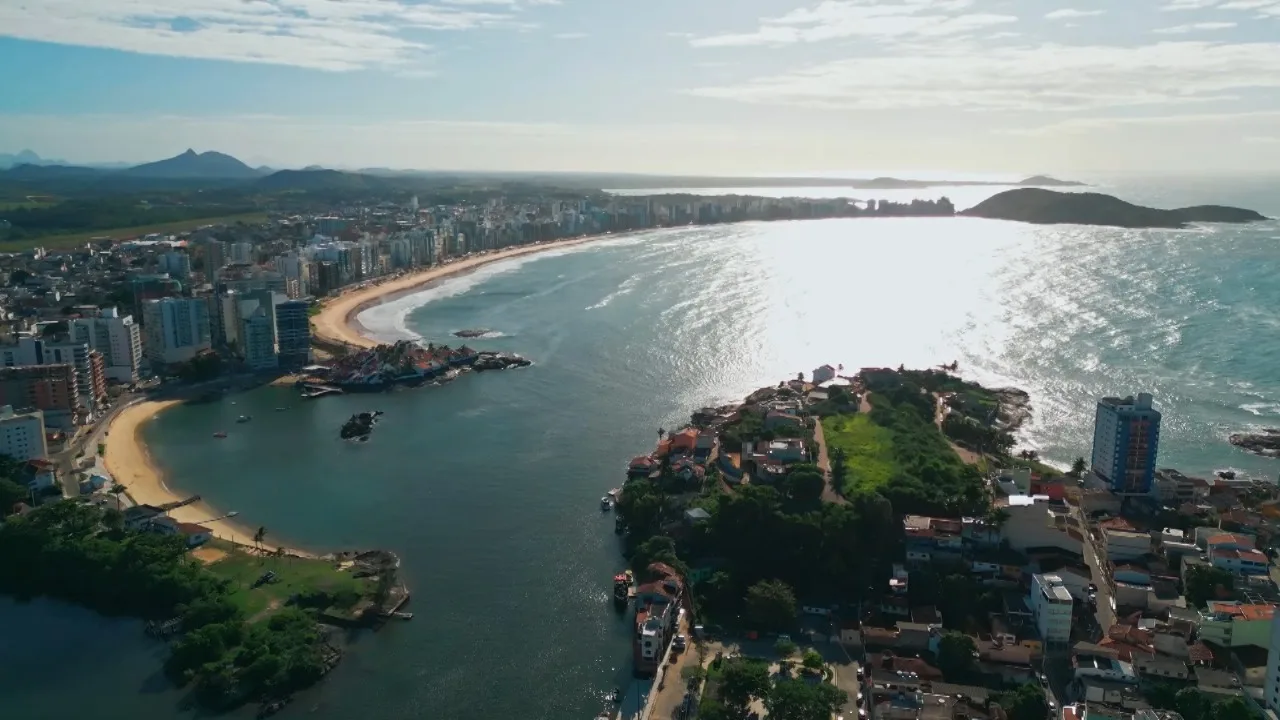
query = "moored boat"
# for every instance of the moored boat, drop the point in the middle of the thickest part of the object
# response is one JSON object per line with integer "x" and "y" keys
{"x": 244, "y": 418}
{"x": 606, "y": 503}
{"x": 621, "y": 588}
{"x": 220, "y": 434}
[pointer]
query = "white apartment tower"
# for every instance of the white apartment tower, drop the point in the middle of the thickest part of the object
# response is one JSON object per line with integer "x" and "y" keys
{"x": 117, "y": 337}
{"x": 177, "y": 329}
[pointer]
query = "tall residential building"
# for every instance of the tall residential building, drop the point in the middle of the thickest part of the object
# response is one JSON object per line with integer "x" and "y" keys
{"x": 1051, "y": 605}
{"x": 240, "y": 253}
{"x": 88, "y": 365}
{"x": 176, "y": 263}
{"x": 1272, "y": 697}
{"x": 215, "y": 257}
{"x": 293, "y": 333}
{"x": 258, "y": 333}
{"x": 1126, "y": 436}
{"x": 177, "y": 329}
{"x": 48, "y": 388}
{"x": 294, "y": 269}
{"x": 22, "y": 434}
{"x": 117, "y": 337}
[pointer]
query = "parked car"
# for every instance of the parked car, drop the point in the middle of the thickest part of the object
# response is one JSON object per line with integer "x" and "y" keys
{"x": 680, "y": 642}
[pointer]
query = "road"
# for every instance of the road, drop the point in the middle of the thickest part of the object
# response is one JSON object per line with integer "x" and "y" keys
{"x": 87, "y": 441}
{"x": 829, "y": 492}
{"x": 1105, "y": 616}
{"x": 669, "y": 696}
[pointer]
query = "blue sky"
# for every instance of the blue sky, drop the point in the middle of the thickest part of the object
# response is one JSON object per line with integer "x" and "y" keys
{"x": 684, "y": 86}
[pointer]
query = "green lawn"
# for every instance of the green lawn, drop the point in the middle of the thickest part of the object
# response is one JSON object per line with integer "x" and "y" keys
{"x": 294, "y": 576}
{"x": 868, "y": 450}
{"x": 77, "y": 239}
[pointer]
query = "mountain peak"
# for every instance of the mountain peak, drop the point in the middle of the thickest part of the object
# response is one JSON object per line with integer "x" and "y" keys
{"x": 189, "y": 154}
{"x": 190, "y": 164}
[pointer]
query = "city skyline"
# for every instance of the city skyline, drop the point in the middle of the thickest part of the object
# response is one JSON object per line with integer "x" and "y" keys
{"x": 749, "y": 87}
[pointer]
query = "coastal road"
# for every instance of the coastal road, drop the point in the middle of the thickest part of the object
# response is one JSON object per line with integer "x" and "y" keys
{"x": 668, "y": 698}
{"x": 1104, "y": 616}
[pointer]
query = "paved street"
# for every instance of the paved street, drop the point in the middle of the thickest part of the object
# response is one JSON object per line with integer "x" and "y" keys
{"x": 829, "y": 492}
{"x": 668, "y": 697}
{"x": 1105, "y": 616}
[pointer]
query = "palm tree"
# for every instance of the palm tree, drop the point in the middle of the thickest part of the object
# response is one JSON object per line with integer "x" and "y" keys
{"x": 259, "y": 536}
{"x": 117, "y": 490}
{"x": 1078, "y": 468}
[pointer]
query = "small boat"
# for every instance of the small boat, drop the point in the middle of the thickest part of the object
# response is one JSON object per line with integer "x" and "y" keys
{"x": 606, "y": 503}
{"x": 617, "y": 695}
{"x": 281, "y": 409}
{"x": 618, "y": 526}
{"x": 220, "y": 434}
{"x": 621, "y": 589}
{"x": 244, "y": 418}
{"x": 402, "y": 615}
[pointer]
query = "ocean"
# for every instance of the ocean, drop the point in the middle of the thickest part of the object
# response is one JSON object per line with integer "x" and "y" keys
{"x": 489, "y": 487}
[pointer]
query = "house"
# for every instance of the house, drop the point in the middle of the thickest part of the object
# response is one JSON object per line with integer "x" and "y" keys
{"x": 1212, "y": 536}
{"x": 139, "y": 516}
{"x": 1234, "y": 624}
{"x": 887, "y": 663}
{"x": 780, "y": 421}
{"x": 39, "y": 474}
{"x": 642, "y": 466}
{"x": 688, "y": 469}
{"x": 1125, "y": 544}
{"x": 1160, "y": 667}
{"x": 683, "y": 442}
{"x": 1219, "y": 683}
{"x": 1240, "y": 562}
{"x": 824, "y": 373}
{"x": 1099, "y": 663}
{"x": 195, "y": 534}
{"x": 785, "y": 451}
{"x": 656, "y": 616}
{"x": 693, "y": 516}
{"x": 706, "y": 445}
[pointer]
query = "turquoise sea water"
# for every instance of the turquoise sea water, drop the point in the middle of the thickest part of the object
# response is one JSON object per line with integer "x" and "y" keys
{"x": 489, "y": 487}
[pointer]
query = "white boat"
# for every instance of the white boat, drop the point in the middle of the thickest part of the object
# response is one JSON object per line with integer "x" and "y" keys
{"x": 606, "y": 503}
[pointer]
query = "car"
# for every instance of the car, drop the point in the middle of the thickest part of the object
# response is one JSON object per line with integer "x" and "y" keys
{"x": 1091, "y": 587}
{"x": 680, "y": 642}
{"x": 862, "y": 674}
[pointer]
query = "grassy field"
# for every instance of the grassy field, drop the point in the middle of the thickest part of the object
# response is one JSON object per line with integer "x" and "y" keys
{"x": 77, "y": 239}
{"x": 293, "y": 576}
{"x": 868, "y": 450}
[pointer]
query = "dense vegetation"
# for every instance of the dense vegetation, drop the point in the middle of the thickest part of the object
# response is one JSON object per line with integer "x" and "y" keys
{"x": 106, "y": 213}
{"x": 1035, "y": 205}
{"x": 734, "y": 683}
{"x": 1192, "y": 704}
{"x": 83, "y": 554}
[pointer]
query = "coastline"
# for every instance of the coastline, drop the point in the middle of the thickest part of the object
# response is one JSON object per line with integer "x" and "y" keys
{"x": 131, "y": 465}
{"x": 337, "y": 322}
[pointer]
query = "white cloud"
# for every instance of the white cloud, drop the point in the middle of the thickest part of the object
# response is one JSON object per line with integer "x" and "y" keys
{"x": 835, "y": 19}
{"x": 1194, "y": 27}
{"x": 1072, "y": 13}
{"x": 1087, "y": 125}
{"x": 1054, "y": 78}
{"x": 322, "y": 34}
{"x": 570, "y": 35}
{"x": 1175, "y": 5}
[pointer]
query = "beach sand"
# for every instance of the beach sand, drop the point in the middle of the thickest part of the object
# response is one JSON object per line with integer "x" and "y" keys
{"x": 336, "y": 321}
{"x": 128, "y": 462}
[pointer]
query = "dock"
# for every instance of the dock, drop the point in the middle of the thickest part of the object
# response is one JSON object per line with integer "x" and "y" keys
{"x": 310, "y": 392}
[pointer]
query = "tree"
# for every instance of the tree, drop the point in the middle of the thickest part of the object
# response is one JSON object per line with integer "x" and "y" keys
{"x": 1162, "y": 695}
{"x": 259, "y": 536}
{"x": 1206, "y": 583}
{"x": 11, "y": 493}
{"x": 1078, "y": 467}
{"x": 740, "y": 681}
{"x": 1026, "y": 703}
{"x": 812, "y": 659}
{"x": 692, "y": 674}
{"x": 771, "y": 605}
{"x": 1233, "y": 708}
{"x": 956, "y": 657}
{"x": 1192, "y": 704}
{"x": 117, "y": 490}
{"x": 801, "y": 700}
{"x": 805, "y": 485}
{"x": 785, "y": 648}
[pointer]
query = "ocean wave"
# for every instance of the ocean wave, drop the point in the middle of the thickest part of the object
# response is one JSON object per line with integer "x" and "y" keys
{"x": 1262, "y": 408}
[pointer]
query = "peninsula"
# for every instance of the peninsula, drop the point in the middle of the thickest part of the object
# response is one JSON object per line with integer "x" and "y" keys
{"x": 1049, "y": 207}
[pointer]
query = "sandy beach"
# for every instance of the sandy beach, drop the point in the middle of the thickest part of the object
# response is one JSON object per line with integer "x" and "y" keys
{"x": 336, "y": 321}
{"x": 129, "y": 463}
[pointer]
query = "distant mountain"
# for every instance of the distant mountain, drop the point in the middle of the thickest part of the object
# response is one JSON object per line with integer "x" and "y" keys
{"x": 319, "y": 180}
{"x": 313, "y": 168}
{"x": 190, "y": 164}
{"x": 1048, "y": 207}
{"x": 27, "y": 171}
{"x": 26, "y": 157}
{"x": 1046, "y": 181}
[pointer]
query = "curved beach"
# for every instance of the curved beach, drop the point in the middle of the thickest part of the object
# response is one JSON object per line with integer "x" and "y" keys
{"x": 129, "y": 463}
{"x": 336, "y": 322}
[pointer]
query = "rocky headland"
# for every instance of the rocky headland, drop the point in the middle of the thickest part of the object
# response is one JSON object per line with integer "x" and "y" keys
{"x": 1049, "y": 207}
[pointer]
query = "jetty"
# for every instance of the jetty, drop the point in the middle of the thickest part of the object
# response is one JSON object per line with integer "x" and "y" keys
{"x": 311, "y": 392}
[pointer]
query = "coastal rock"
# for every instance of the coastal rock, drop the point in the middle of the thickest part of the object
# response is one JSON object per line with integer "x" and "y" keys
{"x": 1015, "y": 408}
{"x": 1265, "y": 443}
{"x": 472, "y": 333}
{"x": 1049, "y": 207}
{"x": 359, "y": 425}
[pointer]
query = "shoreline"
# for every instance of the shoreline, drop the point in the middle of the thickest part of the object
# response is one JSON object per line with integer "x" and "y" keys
{"x": 132, "y": 466}
{"x": 337, "y": 322}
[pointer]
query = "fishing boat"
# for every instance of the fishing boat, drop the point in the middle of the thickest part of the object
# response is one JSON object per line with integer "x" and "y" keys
{"x": 618, "y": 525}
{"x": 621, "y": 588}
{"x": 281, "y": 409}
{"x": 606, "y": 503}
{"x": 244, "y": 418}
{"x": 220, "y": 434}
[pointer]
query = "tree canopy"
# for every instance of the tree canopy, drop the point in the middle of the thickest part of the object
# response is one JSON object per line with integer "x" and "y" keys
{"x": 1025, "y": 703}
{"x": 742, "y": 679}
{"x": 771, "y": 605}
{"x": 801, "y": 700}
{"x": 956, "y": 660}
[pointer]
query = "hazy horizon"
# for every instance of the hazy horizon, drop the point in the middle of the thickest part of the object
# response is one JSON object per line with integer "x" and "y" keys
{"x": 748, "y": 87}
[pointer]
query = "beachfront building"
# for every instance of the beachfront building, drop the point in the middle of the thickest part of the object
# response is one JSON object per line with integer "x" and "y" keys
{"x": 50, "y": 389}
{"x": 293, "y": 333}
{"x": 177, "y": 329}
{"x": 88, "y": 365}
{"x": 22, "y": 434}
{"x": 1126, "y": 437}
{"x": 117, "y": 337}
{"x": 258, "y": 335}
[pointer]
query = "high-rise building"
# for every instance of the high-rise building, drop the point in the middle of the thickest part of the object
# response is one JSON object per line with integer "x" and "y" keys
{"x": 258, "y": 335}
{"x": 240, "y": 253}
{"x": 176, "y": 330}
{"x": 177, "y": 264}
{"x": 293, "y": 333}
{"x": 87, "y": 364}
{"x": 1126, "y": 437}
{"x": 22, "y": 434}
{"x": 117, "y": 337}
{"x": 1051, "y": 605}
{"x": 215, "y": 257}
{"x": 48, "y": 388}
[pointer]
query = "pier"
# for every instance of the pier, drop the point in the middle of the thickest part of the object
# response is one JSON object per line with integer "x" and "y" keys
{"x": 311, "y": 392}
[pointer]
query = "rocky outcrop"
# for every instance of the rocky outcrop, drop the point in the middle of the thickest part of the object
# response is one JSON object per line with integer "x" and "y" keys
{"x": 359, "y": 425}
{"x": 1265, "y": 443}
{"x": 1050, "y": 207}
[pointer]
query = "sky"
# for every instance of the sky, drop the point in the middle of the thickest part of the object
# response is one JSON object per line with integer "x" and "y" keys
{"x": 665, "y": 86}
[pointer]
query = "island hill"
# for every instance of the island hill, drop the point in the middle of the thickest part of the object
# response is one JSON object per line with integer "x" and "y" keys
{"x": 1047, "y": 207}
